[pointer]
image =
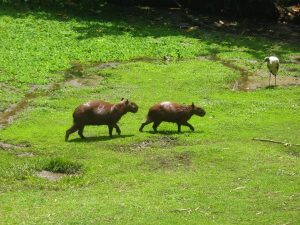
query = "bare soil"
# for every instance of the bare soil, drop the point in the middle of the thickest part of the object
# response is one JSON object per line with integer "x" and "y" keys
{"x": 50, "y": 175}
{"x": 172, "y": 161}
{"x": 8, "y": 146}
{"x": 161, "y": 142}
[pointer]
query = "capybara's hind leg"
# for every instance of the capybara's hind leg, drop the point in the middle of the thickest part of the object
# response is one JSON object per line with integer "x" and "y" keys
{"x": 73, "y": 129}
{"x": 80, "y": 132}
{"x": 155, "y": 125}
{"x": 145, "y": 123}
{"x": 118, "y": 129}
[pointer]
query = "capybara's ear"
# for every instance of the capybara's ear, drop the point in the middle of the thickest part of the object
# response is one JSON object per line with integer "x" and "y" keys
{"x": 122, "y": 99}
{"x": 193, "y": 105}
{"x": 126, "y": 102}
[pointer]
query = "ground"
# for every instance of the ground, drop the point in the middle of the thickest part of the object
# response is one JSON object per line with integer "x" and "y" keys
{"x": 53, "y": 61}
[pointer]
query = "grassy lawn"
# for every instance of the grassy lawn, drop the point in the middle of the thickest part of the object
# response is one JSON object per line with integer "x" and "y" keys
{"x": 215, "y": 175}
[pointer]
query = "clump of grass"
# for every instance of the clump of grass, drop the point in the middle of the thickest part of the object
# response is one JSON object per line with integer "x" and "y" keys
{"x": 59, "y": 165}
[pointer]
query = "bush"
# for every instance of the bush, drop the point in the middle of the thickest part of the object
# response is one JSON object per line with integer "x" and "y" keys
{"x": 59, "y": 165}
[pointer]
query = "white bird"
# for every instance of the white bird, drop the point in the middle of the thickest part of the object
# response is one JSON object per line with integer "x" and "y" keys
{"x": 273, "y": 66}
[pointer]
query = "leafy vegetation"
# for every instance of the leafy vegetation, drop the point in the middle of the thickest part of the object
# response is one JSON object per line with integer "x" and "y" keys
{"x": 58, "y": 165}
{"x": 215, "y": 175}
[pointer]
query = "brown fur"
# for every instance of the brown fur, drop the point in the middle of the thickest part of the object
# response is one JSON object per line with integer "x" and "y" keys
{"x": 172, "y": 112}
{"x": 100, "y": 113}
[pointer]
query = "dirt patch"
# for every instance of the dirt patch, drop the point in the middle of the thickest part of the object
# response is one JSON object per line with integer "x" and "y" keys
{"x": 89, "y": 81}
{"x": 255, "y": 82}
{"x": 8, "y": 146}
{"x": 50, "y": 175}
{"x": 162, "y": 142}
{"x": 25, "y": 154}
{"x": 173, "y": 161}
{"x": 13, "y": 147}
{"x": 101, "y": 66}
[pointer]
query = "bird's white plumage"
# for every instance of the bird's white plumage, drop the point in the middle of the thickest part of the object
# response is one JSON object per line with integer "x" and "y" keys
{"x": 273, "y": 65}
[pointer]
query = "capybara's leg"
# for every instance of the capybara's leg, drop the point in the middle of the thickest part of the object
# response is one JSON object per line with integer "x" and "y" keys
{"x": 189, "y": 125}
{"x": 155, "y": 125}
{"x": 118, "y": 129}
{"x": 179, "y": 127}
{"x": 73, "y": 129}
{"x": 144, "y": 124}
{"x": 80, "y": 132}
{"x": 110, "y": 130}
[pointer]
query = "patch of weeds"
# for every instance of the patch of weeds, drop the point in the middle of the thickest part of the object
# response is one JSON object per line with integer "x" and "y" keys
{"x": 171, "y": 161}
{"x": 59, "y": 165}
{"x": 294, "y": 151}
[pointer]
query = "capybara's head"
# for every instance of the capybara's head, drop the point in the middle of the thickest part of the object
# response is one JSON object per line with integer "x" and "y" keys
{"x": 130, "y": 106}
{"x": 197, "y": 110}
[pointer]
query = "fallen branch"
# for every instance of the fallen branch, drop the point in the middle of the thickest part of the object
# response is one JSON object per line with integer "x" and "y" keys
{"x": 273, "y": 141}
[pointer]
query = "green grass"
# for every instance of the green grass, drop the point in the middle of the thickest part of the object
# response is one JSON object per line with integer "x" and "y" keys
{"x": 217, "y": 174}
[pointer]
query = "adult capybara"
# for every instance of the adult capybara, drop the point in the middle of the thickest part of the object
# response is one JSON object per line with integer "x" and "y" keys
{"x": 100, "y": 113}
{"x": 172, "y": 112}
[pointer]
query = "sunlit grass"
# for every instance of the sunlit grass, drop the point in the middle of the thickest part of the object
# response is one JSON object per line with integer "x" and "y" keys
{"x": 215, "y": 175}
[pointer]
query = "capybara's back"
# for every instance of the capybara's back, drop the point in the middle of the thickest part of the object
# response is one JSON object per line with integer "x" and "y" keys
{"x": 172, "y": 112}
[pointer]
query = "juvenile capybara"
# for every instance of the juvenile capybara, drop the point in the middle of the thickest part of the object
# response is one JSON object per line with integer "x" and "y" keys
{"x": 172, "y": 112}
{"x": 100, "y": 113}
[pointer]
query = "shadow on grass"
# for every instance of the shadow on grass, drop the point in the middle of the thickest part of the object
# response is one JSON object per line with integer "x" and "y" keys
{"x": 271, "y": 87}
{"x": 100, "y": 138}
{"x": 155, "y": 23}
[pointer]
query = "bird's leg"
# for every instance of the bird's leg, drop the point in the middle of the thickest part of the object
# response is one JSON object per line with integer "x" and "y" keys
{"x": 275, "y": 80}
{"x": 269, "y": 79}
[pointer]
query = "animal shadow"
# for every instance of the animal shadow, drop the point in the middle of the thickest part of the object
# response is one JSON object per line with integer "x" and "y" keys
{"x": 100, "y": 138}
{"x": 271, "y": 87}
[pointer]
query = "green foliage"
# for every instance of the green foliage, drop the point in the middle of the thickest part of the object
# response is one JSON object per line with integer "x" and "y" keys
{"x": 215, "y": 175}
{"x": 60, "y": 165}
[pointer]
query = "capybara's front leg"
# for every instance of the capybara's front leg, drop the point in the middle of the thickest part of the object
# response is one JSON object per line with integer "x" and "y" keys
{"x": 118, "y": 129}
{"x": 188, "y": 125}
{"x": 110, "y": 130}
{"x": 179, "y": 127}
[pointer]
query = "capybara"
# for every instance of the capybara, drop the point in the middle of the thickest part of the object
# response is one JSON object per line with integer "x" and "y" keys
{"x": 172, "y": 112}
{"x": 100, "y": 113}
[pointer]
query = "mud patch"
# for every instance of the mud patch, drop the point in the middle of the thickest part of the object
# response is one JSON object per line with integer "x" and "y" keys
{"x": 172, "y": 161}
{"x": 101, "y": 66}
{"x": 251, "y": 81}
{"x": 90, "y": 81}
{"x": 51, "y": 176}
{"x": 255, "y": 82}
{"x": 162, "y": 142}
{"x": 9, "y": 114}
{"x": 80, "y": 70}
